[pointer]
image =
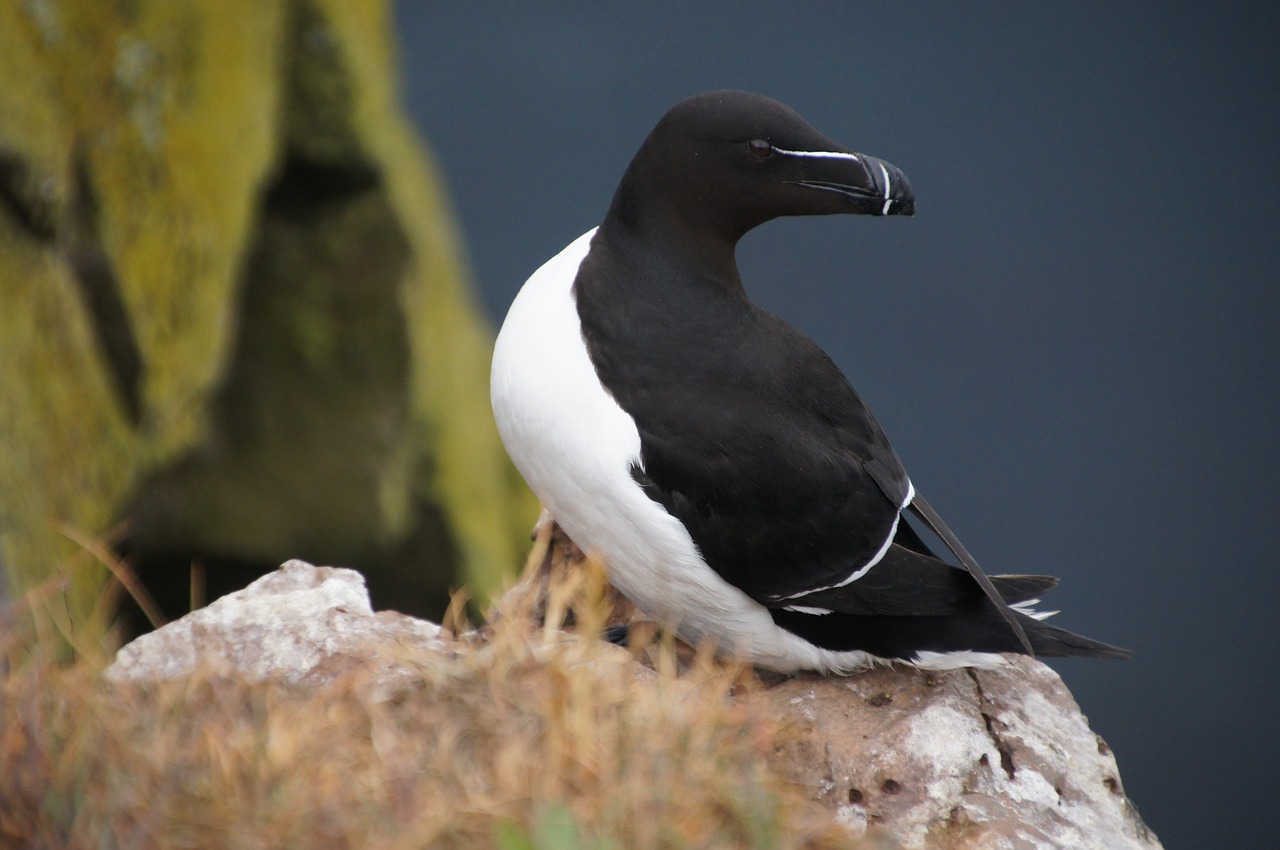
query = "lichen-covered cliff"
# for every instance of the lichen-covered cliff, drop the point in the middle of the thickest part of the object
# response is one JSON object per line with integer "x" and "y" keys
{"x": 232, "y": 306}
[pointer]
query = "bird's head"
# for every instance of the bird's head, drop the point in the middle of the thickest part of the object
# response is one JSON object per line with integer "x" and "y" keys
{"x": 723, "y": 162}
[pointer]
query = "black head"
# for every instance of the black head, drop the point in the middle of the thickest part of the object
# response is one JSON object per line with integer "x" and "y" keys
{"x": 722, "y": 162}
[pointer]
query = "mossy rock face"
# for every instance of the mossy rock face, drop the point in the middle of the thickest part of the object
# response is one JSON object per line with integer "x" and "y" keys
{"x": 232, "y": 309}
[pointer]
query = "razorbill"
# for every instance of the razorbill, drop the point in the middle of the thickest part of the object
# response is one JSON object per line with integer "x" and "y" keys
{"x": 716, "y": 461}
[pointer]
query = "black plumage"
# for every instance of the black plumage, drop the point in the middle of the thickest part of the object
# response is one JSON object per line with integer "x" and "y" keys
{"x": 750, "y": 435}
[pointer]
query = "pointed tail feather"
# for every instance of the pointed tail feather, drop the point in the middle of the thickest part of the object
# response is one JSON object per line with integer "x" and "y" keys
{"x": 1020, "y": 588}
{"x": 1053, "y": 642}
{"x": 926, "y": 513}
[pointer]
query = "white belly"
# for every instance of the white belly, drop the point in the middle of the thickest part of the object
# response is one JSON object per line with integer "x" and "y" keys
{"x": 575, "y": 447}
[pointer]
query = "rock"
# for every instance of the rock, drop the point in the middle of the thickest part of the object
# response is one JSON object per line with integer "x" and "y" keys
{"x": 302, "y": 625}
{"x": 964, "y": 759}
{"x": 957, "y": 759}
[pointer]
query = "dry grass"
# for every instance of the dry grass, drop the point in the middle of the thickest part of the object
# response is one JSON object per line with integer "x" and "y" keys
{"x": 530, "y": 740}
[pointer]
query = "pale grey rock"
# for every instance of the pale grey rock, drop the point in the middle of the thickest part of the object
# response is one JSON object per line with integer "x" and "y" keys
{"x": 957, "y": 760}
{"x": 301, "y": 624}
{"x": 976, "y": 759}
{"x": 964, "y": 759}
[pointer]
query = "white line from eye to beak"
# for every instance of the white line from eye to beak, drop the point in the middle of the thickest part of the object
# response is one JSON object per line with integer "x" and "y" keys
{"x": 887, "y": 200}
{"x": 821, "y": 154}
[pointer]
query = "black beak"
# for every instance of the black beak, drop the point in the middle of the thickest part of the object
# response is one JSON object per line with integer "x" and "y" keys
{"x": 874, "y": 186}
{"x": 892, "y": 189}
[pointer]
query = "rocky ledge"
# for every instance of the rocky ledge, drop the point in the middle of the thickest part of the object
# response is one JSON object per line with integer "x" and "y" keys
{"x": 957, "y": 759}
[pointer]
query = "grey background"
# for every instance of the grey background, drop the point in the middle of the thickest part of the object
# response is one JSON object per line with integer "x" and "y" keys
{"x": 1075, "y": 345}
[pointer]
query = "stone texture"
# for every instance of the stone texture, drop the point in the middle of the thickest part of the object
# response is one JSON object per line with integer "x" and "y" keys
{"x": 1000, "y": 759}
{"x": 302, "y": 625}
{"x": 957, "y": 760}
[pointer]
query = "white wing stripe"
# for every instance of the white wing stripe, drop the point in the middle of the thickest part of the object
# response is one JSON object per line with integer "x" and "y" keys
{"x": 858, "y": 573}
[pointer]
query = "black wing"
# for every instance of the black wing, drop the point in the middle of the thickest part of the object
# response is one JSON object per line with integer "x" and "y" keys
{"x": 756, "y": 442}
{"x": 908, "y": 584}
{"x": 912, "y": 602}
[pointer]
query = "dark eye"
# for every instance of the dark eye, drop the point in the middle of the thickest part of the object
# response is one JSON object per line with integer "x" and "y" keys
{"x": 760, "y": 149}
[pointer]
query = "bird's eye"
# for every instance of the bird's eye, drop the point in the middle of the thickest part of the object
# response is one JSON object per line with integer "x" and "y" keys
{"x": 760, "y": 149}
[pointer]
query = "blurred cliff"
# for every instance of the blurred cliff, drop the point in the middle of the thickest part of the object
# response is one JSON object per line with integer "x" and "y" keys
{"x": 235, "y": 325}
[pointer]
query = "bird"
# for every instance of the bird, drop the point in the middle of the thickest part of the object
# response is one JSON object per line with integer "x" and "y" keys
{"x": 717, "y": 462}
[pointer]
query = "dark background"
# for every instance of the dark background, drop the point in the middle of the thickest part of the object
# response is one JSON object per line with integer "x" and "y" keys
{"x": 1075, "y": 345}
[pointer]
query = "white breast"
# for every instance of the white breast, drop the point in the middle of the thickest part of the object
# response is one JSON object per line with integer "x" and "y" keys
{"x": 575, "y": 447}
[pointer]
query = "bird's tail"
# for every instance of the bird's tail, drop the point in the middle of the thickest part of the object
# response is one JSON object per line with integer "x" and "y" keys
{"x": 1053, "y": 642}
{"x": 1022, "y": 592}
{"x": 1020, "y": 589}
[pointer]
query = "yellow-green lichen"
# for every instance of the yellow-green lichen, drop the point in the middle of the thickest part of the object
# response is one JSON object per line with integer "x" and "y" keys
{"x": 137, "y": 142}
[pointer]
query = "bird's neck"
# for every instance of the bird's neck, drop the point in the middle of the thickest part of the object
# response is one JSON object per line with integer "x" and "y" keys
{"x": 652, "y": 234}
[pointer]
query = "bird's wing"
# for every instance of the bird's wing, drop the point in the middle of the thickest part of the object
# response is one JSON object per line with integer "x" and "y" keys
{"x": 777, "y": 542}
{"x": 781, "y": 474}
{"x": 908, "y": 584}
{"x": 921, "y": 508}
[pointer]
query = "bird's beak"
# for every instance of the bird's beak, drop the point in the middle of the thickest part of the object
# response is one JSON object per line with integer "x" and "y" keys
{"x": 874, "y": 186}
